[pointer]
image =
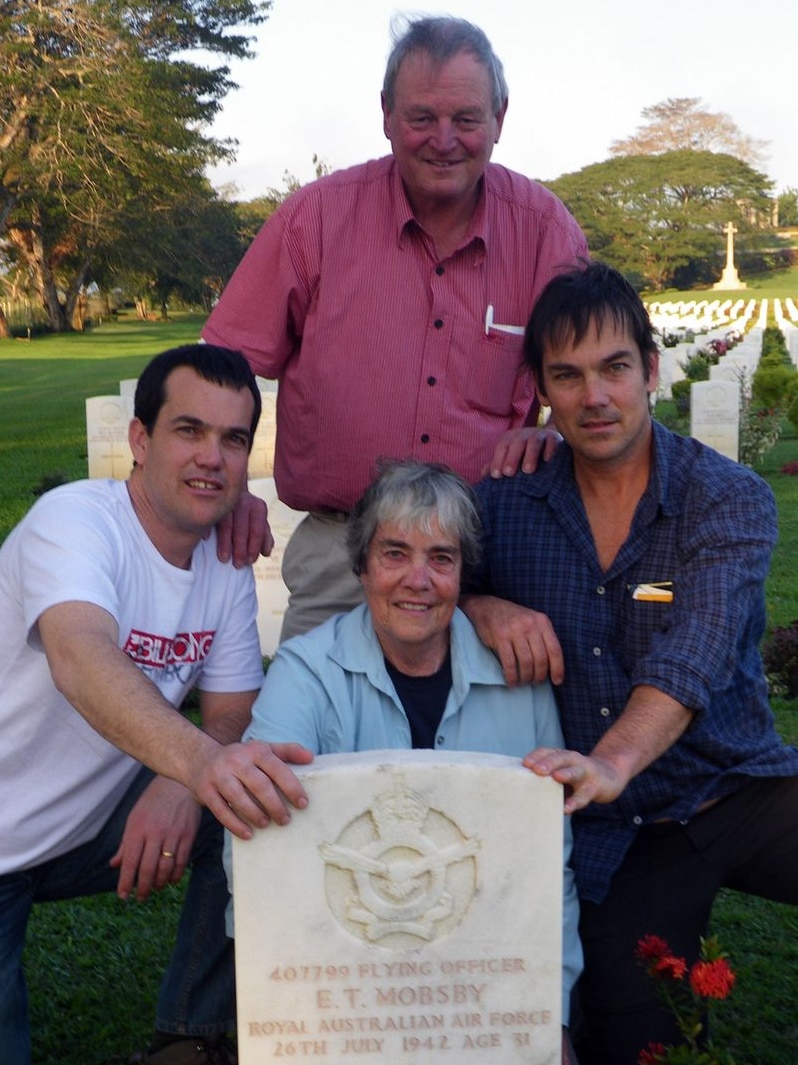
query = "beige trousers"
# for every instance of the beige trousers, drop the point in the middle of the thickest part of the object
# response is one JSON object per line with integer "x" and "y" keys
{"x": 317, "y": 573}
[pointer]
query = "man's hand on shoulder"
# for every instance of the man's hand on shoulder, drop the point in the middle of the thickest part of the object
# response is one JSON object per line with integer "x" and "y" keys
{"x": 244, "y": 534}
{"x": 248, "y": 785}
{"x": 523, "y": 640}
{"x": 522, "y": 449}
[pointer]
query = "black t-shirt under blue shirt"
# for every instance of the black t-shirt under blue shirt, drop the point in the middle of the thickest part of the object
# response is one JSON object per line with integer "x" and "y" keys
{"x": 423, "y": 699}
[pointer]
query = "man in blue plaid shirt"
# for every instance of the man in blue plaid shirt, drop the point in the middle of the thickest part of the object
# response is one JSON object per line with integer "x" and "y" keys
{"x": 630, "y": 569}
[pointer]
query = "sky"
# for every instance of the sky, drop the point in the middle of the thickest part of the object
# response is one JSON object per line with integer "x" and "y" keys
{"x": 579, "y": 73}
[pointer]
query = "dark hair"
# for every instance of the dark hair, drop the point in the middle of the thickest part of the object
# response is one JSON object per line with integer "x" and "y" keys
{"x": 219, "y": 365}
{"x": 415, "y": 494}
{"x": 572, "y": 301}
{"x": 442, "y": 38}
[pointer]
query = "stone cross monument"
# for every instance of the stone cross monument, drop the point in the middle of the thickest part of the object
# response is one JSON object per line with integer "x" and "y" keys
{"x": 730, "y": 279}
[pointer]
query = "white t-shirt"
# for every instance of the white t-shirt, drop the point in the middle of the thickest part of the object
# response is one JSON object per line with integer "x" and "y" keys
{"x": 59, "y": 779}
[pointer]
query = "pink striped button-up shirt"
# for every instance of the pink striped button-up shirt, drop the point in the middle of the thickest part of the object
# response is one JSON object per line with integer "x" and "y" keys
{"x": 381, "y": 349}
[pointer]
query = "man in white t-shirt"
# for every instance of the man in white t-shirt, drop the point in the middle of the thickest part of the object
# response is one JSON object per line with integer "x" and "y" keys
{"x": 114, "y": 607}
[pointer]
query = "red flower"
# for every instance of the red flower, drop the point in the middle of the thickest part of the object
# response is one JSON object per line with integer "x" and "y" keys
{"x": 712, "y": 979}
{"x": 668, "y": 967}
{"x": 653, "y": 1054}
{"x": 649, "y": 948}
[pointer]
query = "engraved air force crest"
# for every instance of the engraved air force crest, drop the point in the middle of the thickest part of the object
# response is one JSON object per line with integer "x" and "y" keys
{"x": 401, "y": 872}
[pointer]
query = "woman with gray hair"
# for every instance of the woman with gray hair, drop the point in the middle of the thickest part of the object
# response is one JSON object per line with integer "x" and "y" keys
{"x": 406, "y": 669}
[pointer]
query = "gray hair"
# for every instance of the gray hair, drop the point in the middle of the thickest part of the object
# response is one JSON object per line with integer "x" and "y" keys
{"x": 442, "y": 38}
{"x": 414, "y": 494}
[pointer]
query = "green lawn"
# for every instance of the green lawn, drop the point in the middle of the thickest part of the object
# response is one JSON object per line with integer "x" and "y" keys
{"x": 44, "y": 384}
{"x": 774, "y": 285}
{"x": 94, "y": 965}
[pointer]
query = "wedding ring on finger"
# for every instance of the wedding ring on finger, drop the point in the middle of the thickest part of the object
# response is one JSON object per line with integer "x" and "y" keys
{"x": 167, "y": 854}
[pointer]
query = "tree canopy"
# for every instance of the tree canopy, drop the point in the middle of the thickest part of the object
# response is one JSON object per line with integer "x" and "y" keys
{"x": 684, "y": 122}
{"x": 654, "y": 215}
{"x": 103, "y": 115}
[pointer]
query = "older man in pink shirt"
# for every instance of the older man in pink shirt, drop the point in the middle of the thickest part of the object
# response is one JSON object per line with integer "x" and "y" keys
{"x": 389, "y": 301}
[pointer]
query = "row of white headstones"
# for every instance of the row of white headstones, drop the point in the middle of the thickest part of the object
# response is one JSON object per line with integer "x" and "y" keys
{"x": 715, "y": 404}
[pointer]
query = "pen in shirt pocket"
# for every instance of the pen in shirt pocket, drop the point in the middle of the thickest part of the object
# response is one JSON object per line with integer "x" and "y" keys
{"x": 516, "y": 330}
{"x": 653, "y": 592}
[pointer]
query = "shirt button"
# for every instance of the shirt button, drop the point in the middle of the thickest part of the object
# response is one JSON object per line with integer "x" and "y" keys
{"x": 438, "y": 323}
{"x": 605, "y": 711}
{"x": 439, "y": 270}
{"x": 600, "y": 590}
{"x": 439, "y": 741}
{"x": 431, "y": 381}
{"x": 637, "y": 820}
{"x": 597, "y": 651}
{"x": 425, "y": 438}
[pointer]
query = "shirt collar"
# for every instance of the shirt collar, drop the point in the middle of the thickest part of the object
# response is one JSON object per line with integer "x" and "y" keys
{"x": 357, "y": 650}
{"x": 555, "y": 478}
{"x": 406, "y": 220}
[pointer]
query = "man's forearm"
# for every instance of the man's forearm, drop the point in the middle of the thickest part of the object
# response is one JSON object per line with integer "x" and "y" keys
{"x": 225, "y": 716}
{"x": 649, "y": 725}
{"x": 115, "y": 697}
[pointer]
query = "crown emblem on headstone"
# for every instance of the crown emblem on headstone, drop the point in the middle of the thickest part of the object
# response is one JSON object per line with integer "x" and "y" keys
{"x": 399, "y": 806}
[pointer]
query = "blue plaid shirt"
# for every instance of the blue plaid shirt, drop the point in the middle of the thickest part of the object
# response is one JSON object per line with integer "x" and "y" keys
{"x": 705, "y": 524}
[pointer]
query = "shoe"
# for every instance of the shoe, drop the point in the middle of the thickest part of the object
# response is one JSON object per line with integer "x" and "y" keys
{"x": 191, "y": 1050}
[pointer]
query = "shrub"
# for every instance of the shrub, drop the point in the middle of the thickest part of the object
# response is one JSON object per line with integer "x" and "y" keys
{"x": 775, "y": 386}
{"x": 680, "y": 392}
{"x": 792, "y": 412}
{"x": 759, "y": 431}
{"x": 669, "y": 340}
{"x": 773, "y": 344}
{"x": 780, "y": 656}
{"x": 697, "y": 366}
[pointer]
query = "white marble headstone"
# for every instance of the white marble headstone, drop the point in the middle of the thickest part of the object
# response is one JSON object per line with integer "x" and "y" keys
{"x": 411, "y": 915}
{"x": 271, "y": 590}
{"x": 715, "y": 415}
{"x": 261, "y": 457}
{"x": 107, "y": 421}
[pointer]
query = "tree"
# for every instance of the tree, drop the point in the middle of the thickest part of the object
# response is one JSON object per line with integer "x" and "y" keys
{"x": 253, "y": 213}
{"x": 684, "y": 122}
{"x": 788, "y": 207}
{"x": 187, "y": 253}
{"x": 654, "y": 215}
{"x": 101, "y": 112}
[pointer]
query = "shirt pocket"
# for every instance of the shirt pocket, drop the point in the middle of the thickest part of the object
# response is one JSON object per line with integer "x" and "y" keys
{"x": 641, "y": 622}
{"x": 487, "y": 375}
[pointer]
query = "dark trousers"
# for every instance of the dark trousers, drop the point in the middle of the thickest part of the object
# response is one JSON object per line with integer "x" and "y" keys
{"x": 197, "y": 995}
{"x": 666, "y": 886}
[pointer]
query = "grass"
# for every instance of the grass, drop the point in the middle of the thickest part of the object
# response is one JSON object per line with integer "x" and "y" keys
{"x": 93, "y": 967}
{"x": 43, "y": 387}
{"x": 775, "y": 284}
{"x": 94, "y": 964}
{"x": 760, "y": 1025}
